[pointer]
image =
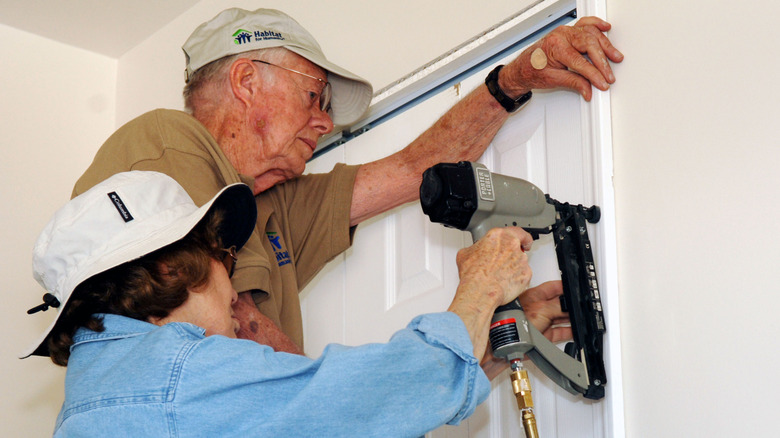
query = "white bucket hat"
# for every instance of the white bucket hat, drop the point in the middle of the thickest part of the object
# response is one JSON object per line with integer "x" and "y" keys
{"x": 235, "y": 31}
{"x": 121, "y": 219}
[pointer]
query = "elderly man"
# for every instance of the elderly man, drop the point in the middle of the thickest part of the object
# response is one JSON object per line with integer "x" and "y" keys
{"x": 260, "y": 93}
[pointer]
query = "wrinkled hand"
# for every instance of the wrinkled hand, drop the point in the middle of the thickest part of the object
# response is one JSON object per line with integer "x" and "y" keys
{"x": 575, "y": 57}
{"x": 493, "y": 271}
{"x": 497, "y": 264}
{"x": 542, "y": 307}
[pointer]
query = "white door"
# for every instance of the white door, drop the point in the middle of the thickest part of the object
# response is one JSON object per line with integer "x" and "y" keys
{"x": 402, "y": 265}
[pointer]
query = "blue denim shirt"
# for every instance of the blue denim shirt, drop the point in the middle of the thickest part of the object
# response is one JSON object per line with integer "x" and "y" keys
{"x": 136, "y": 379}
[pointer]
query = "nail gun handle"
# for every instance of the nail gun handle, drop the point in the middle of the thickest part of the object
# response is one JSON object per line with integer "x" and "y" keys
{"x": 512, "y": 337}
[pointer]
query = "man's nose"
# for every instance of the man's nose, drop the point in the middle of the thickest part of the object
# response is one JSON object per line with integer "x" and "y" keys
{"x": 321, "y": 120}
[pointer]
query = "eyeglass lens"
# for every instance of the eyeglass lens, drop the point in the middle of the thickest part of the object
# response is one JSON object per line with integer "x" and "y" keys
{"x": 325, "y": 98}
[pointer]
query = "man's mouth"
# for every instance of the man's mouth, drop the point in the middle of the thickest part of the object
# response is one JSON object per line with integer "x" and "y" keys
{"x": 311, "y": 143}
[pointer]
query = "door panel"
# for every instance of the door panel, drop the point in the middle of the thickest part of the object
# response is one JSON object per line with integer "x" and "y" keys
{"x": 401, "y": 265}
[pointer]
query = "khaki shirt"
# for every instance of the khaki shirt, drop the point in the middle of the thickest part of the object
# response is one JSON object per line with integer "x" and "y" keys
{"x": 301, "y": 224}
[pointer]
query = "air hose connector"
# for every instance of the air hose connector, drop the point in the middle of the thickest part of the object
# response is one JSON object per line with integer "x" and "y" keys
{"x": 521, "y": 385}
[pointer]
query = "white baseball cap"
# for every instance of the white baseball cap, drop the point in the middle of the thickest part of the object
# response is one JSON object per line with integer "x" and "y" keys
{"x": 121, "y": 219}
{"x": 236, "y": 30}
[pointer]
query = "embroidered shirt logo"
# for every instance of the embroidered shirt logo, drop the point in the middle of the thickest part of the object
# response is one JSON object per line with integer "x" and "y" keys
{"x": 242, "y": 36}
{"x": 120, "y": 207}
{"x": 282, "y": 256}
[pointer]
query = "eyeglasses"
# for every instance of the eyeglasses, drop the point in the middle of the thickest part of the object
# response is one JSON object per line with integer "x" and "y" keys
{"x": 229, "y": 259}
{"x": 325, "y": 94}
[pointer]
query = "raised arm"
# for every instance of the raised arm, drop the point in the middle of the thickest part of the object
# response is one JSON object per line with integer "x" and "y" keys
{"x": 575, "y": 57}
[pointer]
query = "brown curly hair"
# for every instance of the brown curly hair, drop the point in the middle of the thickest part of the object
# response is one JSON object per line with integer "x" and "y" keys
{"x": 151, "y": 286}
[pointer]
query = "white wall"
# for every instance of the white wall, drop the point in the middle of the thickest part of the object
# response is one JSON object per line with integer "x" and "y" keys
{"x": 695, "y": 156}
{"x": 56, "y": 106}
{"x": 695, "y": 125}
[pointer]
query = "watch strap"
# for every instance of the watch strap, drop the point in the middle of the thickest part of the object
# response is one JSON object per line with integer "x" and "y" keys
{"x": 509, "y": 104}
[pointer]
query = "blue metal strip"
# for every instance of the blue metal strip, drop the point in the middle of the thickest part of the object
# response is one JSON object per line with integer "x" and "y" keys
{"x": 395, "y": 108}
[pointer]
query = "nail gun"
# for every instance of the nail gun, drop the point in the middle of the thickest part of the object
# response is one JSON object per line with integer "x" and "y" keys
{"x": 469, "y": 197}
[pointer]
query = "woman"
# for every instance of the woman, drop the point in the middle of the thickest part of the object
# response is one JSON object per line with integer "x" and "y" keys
{"x": 140, "y": 278}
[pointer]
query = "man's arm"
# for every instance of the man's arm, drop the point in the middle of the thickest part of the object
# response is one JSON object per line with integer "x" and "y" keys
{"x": 259, "y": 328}
{"x": 466, "y": 130}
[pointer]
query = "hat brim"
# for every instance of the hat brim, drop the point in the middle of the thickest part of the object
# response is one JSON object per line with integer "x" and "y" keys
{"x": 237, "y": 202}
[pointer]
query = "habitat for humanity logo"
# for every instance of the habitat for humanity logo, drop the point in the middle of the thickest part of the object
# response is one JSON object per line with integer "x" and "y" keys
{"x": 242, "y": 36}
{"x": 282, "y": 256}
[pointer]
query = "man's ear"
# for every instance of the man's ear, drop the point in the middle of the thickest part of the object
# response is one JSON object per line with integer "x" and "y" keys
{"x": 244, "y": 80}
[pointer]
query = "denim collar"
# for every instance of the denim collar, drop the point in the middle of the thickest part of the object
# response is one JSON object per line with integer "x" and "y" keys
{"x": 119, "y": 327}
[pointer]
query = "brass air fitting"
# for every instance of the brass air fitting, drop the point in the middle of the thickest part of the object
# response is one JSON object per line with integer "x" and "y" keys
{"x": 521, "y": 385}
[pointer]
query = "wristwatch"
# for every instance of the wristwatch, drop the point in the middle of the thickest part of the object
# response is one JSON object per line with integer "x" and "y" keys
{"x": 509, "y": 104}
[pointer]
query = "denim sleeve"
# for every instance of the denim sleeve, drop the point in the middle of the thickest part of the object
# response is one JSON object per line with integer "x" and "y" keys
{"x": 424, "y": 377}
{"x": 448, "y": 332}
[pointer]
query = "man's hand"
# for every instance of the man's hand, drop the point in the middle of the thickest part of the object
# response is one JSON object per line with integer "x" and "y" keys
{"x": 573, "y": 57}
{"x": 542, "y": 307}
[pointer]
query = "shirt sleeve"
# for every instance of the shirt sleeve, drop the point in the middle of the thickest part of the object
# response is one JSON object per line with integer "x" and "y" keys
{"x": 424, "y": 377}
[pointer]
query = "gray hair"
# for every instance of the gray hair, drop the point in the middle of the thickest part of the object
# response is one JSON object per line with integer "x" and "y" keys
{"x": 209, "y": 84}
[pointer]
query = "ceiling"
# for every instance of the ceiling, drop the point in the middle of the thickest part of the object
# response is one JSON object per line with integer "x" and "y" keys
{"x": 108, "y": 27}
